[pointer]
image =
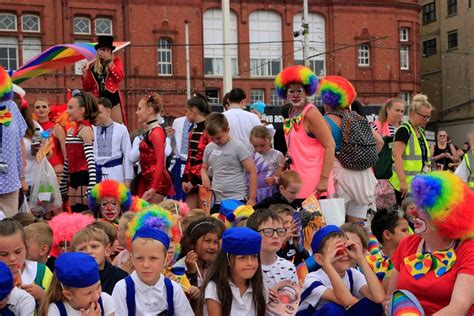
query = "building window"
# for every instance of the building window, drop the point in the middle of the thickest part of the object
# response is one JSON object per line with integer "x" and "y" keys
{"x": 257, "y": 95}
{"x": 213, "y": 48}
{"x": 9, "y": 53}
{"x": 103, "y": 26}
{"x": 30, "y": 23}
{"x": 429, "y": 13}
{"x": 429, "y": 47}
{"x": 7, "y": 22}
{"x": 317, "y": 42}
{"x": 406, "y": 97}
{"x": 404, "y": 57}
{"x": 453, "y": 39}
{"x": 82, "y": 25}
{"x": 31, "y": 48}
{"x": 364, "y": 55}
{"x": 452, "y": 7}
{"x": 165, "y": 66}
{"x": 404, "y": 34}
{"x": 213, "y": 96}
{"x": 275, "y": 99}
{"x": 265, "y": 48}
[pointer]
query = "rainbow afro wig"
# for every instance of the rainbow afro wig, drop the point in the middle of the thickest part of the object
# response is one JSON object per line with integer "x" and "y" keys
{"x": 109, "y": 189}
{"x": 138, "y": 204}
{"x": 336, "y": 91}
{"x": 296, "y": 75}
{"x": 448, "y": 201}
{"x": 6, "y": 89}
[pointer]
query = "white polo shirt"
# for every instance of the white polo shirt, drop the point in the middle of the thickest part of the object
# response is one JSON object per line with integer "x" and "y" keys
{"x": 150, "y": 300}
{"x": 241, "y": 304}
{"x": 21, "y": 303}
{"x": 106, "y": 302}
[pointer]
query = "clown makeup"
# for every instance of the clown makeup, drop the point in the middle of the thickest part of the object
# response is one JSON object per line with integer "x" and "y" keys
{"x": 419, "y": 220}
{"x": 109, "y": 209}
{"x": 296, "y": 95}
{"x": 286, "y": 300}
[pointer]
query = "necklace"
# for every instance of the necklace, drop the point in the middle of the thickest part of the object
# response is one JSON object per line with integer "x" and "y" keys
{"x": 426, "y": 249}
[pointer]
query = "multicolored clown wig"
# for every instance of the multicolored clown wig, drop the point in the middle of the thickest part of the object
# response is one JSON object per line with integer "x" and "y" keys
{"x": 448, "y": 201}
{"x": 6, "y": 89}
{"x": 138, "y": 204}
{"x": 109, "y": 189}
{"x": 336, "y": 91}
{"x": 296, "y": 75}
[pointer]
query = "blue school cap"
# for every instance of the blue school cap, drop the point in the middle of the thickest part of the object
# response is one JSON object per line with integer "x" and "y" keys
{"x": 321, "y": 234}
{"x": 6, "y": 281}
{"x": 76, "y": 269}
{"x": 241, "y": 241}
{"x": 152, "y": 233}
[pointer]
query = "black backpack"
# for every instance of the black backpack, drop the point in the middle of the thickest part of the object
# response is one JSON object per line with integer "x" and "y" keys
{"x": 358, "y": 149}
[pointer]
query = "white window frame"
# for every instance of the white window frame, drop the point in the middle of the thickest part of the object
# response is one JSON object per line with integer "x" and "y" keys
{"x": 166, "y": 50}
{"x": 406, "y": 97}
{"x": 275, "y": 99}
{"x": 74, "y": 25}
{"x": 103, "y": 20}
{"x": 7, "y": 43}
{"x": 213, "y": 100}
{"x": 25, "y": 16}
{"x": 257, "y": 95}
{"x": 31, "y": 47}
{"x": 404, "y": 57}
{"x": 15, "y": 24}
{"x": 363, "y": 55}
{"x": 404, "y": 34}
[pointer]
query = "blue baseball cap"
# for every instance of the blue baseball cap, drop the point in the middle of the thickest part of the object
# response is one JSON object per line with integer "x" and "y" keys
{"x": 152, "y": 233}
{"x": 321, "y": 234}
{"x": 76, "y": 269}
{"x": 6, "y": 281}
{"x": 241, "y": 241}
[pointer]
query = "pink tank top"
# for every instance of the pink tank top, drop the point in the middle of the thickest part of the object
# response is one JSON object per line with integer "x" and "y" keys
{"x": 307, "y": 155}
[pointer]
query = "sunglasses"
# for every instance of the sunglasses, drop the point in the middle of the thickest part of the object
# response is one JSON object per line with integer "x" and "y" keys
{"x": 270, "y": 232}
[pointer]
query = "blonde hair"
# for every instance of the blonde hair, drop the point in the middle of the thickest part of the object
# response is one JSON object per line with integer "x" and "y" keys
{"x": 152, "y": 100}
{"x": 260, "y": 131}
{"x": 357, "y": 229}
{"x": 193, "y": 215}
{"x": 387, "y": 106}
{"x": 53, "y": 294}
{"x": 43, "y": 100}
{"x": 89, "y": 234}
{"x": 107, "y": 228}
{"x": 40, "y": 232}
{"x": 170, "y": 205}
{"x": 418, "y": 101}
{"x": 289, "y": 176}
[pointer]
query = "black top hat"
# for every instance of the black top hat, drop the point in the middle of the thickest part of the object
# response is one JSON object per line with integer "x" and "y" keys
{"x": 105, "y": 41}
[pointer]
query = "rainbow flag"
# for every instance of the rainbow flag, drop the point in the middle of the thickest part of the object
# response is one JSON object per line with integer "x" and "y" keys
{"x": 57, "y": 57}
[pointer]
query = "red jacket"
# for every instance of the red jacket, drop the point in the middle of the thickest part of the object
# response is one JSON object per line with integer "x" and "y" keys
{"x": 114, "y": 77}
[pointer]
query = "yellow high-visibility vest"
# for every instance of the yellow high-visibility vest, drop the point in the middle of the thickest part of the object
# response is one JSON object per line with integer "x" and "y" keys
{"x": 469, "y": 157}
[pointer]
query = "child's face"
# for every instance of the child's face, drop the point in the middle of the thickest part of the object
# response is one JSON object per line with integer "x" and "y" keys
{"x": 207, "y": 247}
{"x": 82, "y": 298}
{"x": 221, "y": 137}
{"x": 109, "y": 209}
{"x": 286, "y": 219}
{"x": 244, "y": 267}
{"x": 34, "y": 249}
{"x": 400, "y": 231}
{"x": 74, "y": 110}
{"x": 144, "y": 113}
{"x": 148, "y": 256}
{"x": 190, "y": 114}
{"x": 13, "y": 251}
{"x": 291, "y": 191}
{"x": 96, "y": 249}
{"x": 260, "y": 145}
{"x": 122, "y": 229}
{"x": 355, "y": 238}
{"x": 273, "y": 243}
{"x": 342, "y": 262}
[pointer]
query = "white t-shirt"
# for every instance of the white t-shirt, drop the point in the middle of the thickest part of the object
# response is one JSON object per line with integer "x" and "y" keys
{"x": 314, "y": 299}
{"x": 241, "y": 304}
{"x": 150, "y": 300}
{"x": 279, "y": 271}
{"x": 107, "y": 302}
{"x": 21, "y": 303}
{"x": 241, "y": 123}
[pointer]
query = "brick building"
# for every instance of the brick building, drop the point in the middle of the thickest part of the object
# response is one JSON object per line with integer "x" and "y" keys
{"x": 374, "y": 43}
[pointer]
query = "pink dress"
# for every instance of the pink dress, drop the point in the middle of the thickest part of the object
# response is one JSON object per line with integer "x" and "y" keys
{"x": 307, "y": 155}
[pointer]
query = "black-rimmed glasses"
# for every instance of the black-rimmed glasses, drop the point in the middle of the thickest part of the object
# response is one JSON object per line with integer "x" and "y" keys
{"x": 269, "y": 232}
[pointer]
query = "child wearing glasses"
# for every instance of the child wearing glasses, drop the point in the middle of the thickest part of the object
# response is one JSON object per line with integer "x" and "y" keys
{"x": 270, "y": 226}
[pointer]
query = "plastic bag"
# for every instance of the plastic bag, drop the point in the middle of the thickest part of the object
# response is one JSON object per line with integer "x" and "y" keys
{"x": 45, "y": 195}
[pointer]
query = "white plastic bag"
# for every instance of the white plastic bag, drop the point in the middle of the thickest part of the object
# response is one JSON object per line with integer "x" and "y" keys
{"x": 334, "y": 211}
{"x": 45, "y": 195}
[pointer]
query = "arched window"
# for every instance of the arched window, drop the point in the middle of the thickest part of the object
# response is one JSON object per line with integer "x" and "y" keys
{"x": 317, "y": 42}
{"x": 165, "y": 53}
{"x": 265, "y": 43}
{"x": 7, "y": 22}
{"x": 30, "y": 23}
{"x": 103, "y": 26}
{"x": 213, "y": 40}
{"x": 82, "y": 25}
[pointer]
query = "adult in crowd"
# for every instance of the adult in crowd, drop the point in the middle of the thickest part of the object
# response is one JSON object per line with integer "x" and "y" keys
{"x": 436, "y": 263}
{"x": 32, "y": 141}
{"x": 310, "y": 145}
{"x": 12, "y": 130}
{"x": 411, "y": 154}
{"x": 356, "y": 185}
{"x": 41, "y": 110}
{"x": 443, "y": 153}
{"x": 466, "y": 168}
{"x": 390, "y": 118}
{"x": 240, "y": 121}
{"x": 111, "y": 146}
{"x": 102, "y": 77}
